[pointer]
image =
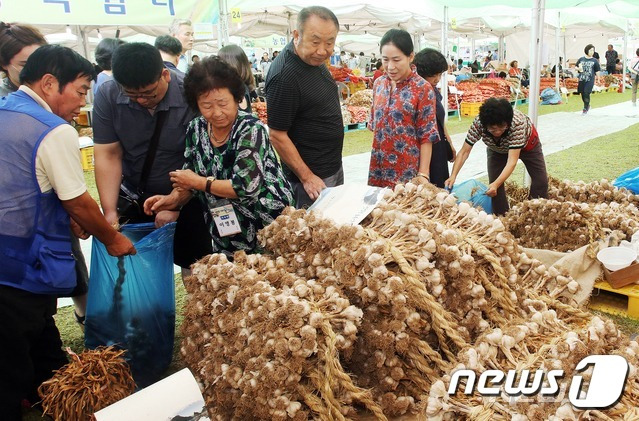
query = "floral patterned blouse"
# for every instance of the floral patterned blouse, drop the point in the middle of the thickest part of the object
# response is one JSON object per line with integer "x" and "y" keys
{"x": 402, "y": 120}
{"x": 248, "y": 160}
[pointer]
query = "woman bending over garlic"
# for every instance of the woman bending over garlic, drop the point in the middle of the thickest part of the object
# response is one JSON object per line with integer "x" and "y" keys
{"x": 509, "y": 135}
{"x": 230, "y": 164}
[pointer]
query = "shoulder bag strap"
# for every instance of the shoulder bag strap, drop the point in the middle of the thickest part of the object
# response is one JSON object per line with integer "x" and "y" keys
{"x": 153, "y": 147}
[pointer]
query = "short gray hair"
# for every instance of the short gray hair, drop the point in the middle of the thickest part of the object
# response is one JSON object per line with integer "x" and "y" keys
{"x": 175, "y": 25}
{"x": 319, "y": 11}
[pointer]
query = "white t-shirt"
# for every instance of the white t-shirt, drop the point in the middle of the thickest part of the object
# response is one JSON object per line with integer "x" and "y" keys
{"x": 58, "y": 161}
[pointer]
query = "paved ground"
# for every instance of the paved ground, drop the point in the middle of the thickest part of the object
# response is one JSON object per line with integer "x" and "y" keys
{"x": 557, "y": 131}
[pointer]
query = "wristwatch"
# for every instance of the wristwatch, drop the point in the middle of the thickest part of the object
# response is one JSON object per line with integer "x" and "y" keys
{"x": 209, "y": 180}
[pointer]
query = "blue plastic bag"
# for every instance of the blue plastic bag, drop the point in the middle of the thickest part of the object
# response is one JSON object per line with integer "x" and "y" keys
{"x": 550, "y": 97}
{"x": 473, "y": 191}
{"x": 131, "y": 301}
{"x": 629, "y": 180}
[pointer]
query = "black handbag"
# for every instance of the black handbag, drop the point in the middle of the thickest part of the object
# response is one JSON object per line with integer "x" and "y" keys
{"x": 131, "y": 201}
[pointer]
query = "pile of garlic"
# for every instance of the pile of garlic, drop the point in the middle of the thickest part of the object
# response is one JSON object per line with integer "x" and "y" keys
{"x": 265, "y": 343}
{"x": 432, "y": 286}
{"x": 567, "y": 226}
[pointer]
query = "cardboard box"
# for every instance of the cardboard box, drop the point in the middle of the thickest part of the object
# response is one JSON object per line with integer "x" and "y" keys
{"x": 622, "y": 277}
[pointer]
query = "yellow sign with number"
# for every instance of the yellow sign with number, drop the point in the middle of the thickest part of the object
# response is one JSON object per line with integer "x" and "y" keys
{"x": 236, "y": 15}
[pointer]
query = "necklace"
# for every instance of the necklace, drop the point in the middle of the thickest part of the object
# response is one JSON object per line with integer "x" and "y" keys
{"x": 214, "y": 140}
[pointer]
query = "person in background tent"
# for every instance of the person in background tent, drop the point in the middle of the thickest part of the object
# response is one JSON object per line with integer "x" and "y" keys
{"x": 595, "y": 55}
{"x": 588, "y": 68}
{"x": 430, "y": 65}
{"x": 618, "y": 67}
{"x": 509, "y": 136}
{"x": 304, "y": 115}
{"x": 379, "y": 70}
{"x": 43, "y": 198}
{"x": 403, "y": 117}
{"x": 611, "y": 60}
{"x": 634, "y": 74}
{"x": 17, "y": 43}
{"x": 265, "y": 64}
{"x": 362, "y": 63}
{"x": 195, "y": 59}
{"x": 486, "y": 65}
{"x": 343, "y": 59}
{"x": 353, "y": 62}
{"x": 474, "y": 66}
{"x": 236, "y": 58}
{"x": 170, "y": 49}
{"x": 183, "y": 30}
{"x": 553, "y": 72}
{"x": 275, "y": 54}
{"x": 103, "y": 53}
{"x": 460, "y": 64}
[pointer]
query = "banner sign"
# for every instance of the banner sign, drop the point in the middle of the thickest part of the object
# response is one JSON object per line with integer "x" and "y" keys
{"x": 106, "y": 12}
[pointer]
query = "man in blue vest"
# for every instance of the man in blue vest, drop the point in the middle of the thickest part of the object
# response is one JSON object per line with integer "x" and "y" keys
{"x": 42, "y": 194}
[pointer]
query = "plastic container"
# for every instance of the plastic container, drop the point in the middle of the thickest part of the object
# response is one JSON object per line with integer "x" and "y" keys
{"x": 87, "y": 158}
{"x": 470, "y": 109}
{"x": 615, "y": 258}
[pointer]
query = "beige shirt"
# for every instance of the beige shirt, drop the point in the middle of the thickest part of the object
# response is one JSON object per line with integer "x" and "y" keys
{"x": 58, "y": 161}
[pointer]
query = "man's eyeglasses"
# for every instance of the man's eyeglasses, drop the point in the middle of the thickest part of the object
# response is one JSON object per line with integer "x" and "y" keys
{"x": 149, "y": 94}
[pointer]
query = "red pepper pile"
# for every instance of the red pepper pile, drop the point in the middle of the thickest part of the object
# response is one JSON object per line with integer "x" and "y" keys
{"x": 260, "y": 109}
{"x": 340, "y": 74}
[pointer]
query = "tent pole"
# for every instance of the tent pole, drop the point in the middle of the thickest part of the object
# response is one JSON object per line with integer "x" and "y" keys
{"x": 557, "y": 34}
{"x": 623, "y": 58}
{"x": 288, "y": 30}
{"x": 444, "y": 80}
{"x": 223, "y": 26}
{"x": 535, "y": 62}
{"x": 536, "y": 41}
{"x": 501, "y": 48}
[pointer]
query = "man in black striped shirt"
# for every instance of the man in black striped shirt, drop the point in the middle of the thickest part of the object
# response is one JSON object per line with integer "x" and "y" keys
{"x": 304, "y": 114}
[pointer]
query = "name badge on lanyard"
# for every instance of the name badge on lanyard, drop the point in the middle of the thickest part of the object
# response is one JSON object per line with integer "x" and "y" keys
{"x": 225, "y": 220}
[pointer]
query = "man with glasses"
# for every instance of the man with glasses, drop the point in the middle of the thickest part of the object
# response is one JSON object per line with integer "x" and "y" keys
{"x": 125, "y": 117}
{"x": 509, "y": 135}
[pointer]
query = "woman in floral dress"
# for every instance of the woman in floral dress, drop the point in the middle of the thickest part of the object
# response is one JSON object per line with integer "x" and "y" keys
{"x": 230, "y": 163}
{"x": 403, "y": 117}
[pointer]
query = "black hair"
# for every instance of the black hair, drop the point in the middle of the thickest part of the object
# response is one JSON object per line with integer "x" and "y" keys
{"x": 319, "y": 11}
{"x": 104, "y": 52}
{"x": 400, "y": 39}
{"x": 460, "y": 61}
{"x": 62, "y": 62}
{"x": 430, "y": 62}
{"x": 236, "y": 57}
{"x": 495, "y": 111}
{"x": 361, "y": 53}
{"x": 137, "y": 65}
{"x": 169, "y": 45}
{"x": 14, "y": 37}
{"x": 637, "y": 52}
{"x": 378, "y": 65}
{"x": 502, "y": 75}
{"x": 208, "y": 74}
{"x": 588, "y": 47}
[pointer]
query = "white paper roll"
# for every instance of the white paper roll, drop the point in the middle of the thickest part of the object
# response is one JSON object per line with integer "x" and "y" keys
{"x": 178, "y": 394}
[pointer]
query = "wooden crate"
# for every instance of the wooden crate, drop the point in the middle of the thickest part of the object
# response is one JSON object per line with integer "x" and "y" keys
{"x": 620, "y": 301}
{"x": 470, "y": 109}
{"x": 87, "y": 158}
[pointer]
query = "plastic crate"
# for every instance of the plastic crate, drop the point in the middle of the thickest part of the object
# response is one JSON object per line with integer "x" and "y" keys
{"x": 622, "y": 301}
{"x": 354, "y": 87}
{"x": 470, "y": 109}
{"x": 87, "y": 158}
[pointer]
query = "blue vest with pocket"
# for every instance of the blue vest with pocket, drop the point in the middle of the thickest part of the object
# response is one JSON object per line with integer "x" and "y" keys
{"x": 35, "y": 242}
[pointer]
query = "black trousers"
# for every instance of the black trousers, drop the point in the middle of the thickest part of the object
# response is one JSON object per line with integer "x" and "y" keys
{"x": 30, "y": 347}
{"x": 536, "y": 166}
{"x": 585, "y": 94}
